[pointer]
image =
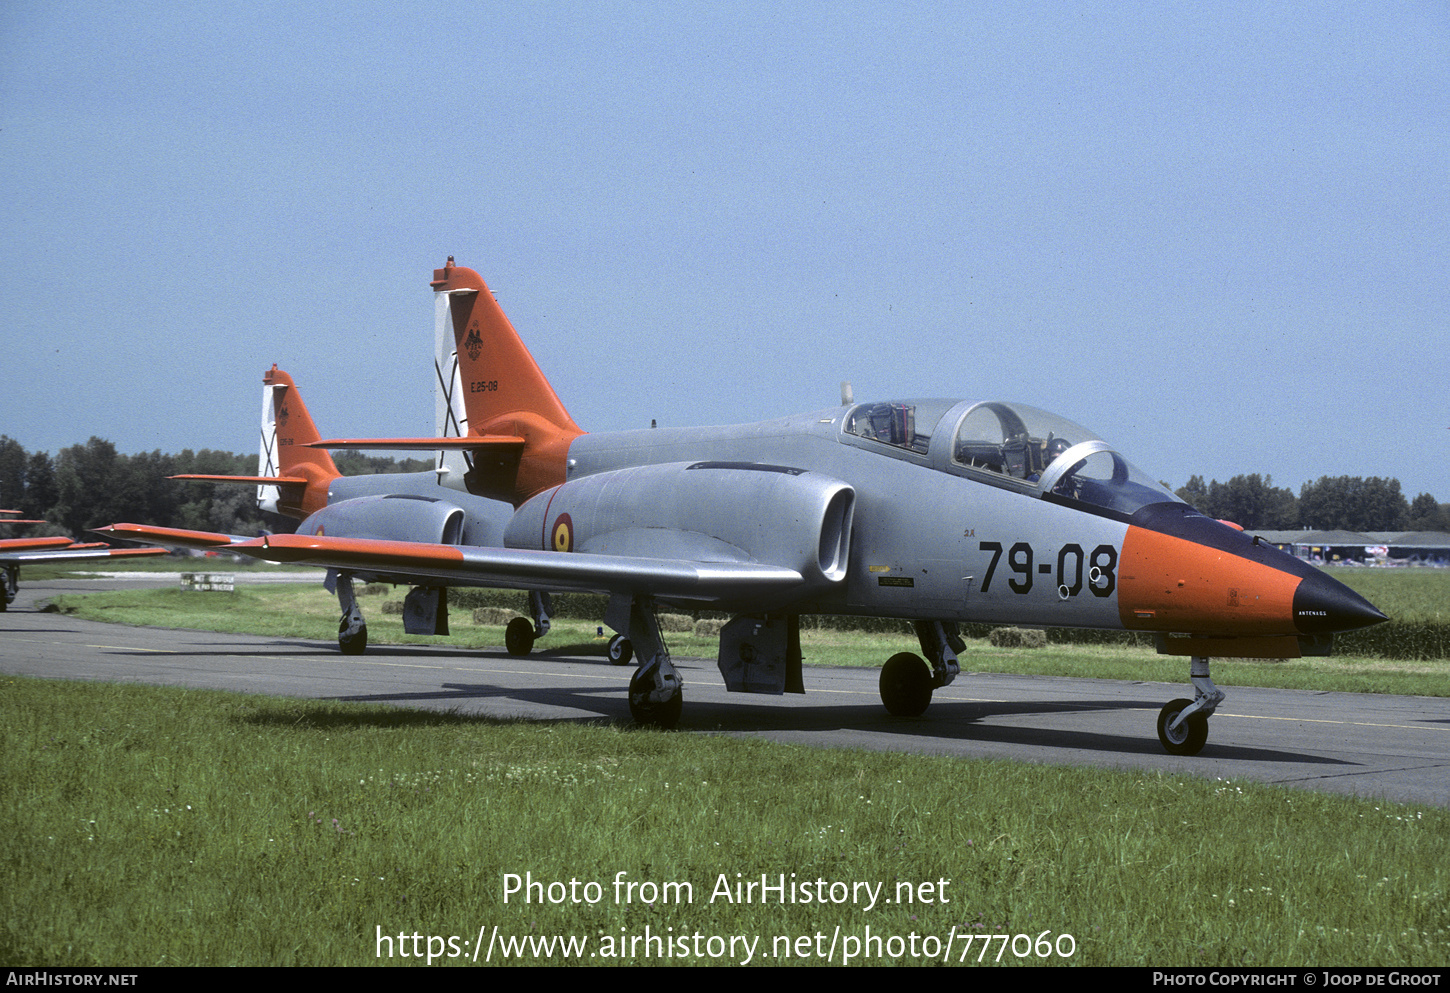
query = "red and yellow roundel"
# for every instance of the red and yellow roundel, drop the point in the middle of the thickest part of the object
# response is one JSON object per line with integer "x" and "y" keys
{"x": 563, "y": 536}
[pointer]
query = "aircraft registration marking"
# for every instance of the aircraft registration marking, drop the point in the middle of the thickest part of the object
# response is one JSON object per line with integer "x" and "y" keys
{"x": 1101, "y": 568}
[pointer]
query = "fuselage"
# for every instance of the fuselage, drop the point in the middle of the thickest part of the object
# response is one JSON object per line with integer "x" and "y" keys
{"x": 926, "y": 509}
{"x": 1000, "y": 513}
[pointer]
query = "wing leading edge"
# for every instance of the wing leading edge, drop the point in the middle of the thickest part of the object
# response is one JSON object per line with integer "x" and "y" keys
{"x": 469, "y": 565}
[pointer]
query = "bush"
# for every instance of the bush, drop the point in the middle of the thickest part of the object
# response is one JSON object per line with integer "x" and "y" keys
{"x": 496, "y": 616}
{"x": 393, "y": 607}
{"x": 675, "y": 623}
{"x": 708, "y": 627}
{"x": 1017, "y": 638}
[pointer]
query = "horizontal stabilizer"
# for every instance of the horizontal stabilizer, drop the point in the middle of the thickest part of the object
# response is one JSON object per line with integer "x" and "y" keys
{"x": 171, "y": 537}
{"x": 464, "y": 444}
{"x": 250, "y": 480}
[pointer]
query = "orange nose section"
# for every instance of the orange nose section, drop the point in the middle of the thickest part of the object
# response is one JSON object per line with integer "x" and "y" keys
{"x": 1168, "y": 583}
{"x": 1209, "y": 579}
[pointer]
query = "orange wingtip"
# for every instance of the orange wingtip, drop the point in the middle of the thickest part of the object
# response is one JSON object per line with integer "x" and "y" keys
{"x": 420, "y": 444}
{"x": 140, "y": 551}
{"x": 369, "y": 552}
{"x": 180, "y": 536}
{"x": 16, "y": 520}
{"x": 257, "y": 480}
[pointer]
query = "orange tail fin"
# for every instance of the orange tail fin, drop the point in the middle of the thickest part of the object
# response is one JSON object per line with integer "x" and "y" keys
{"x": 291, "y": 479}
{"x": 287, "y": 429}
{"x": 504, "y": 393}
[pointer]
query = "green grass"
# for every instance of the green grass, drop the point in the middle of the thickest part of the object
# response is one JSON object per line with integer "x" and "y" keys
{"x": 147, "y": 826}
{"x": 1404, "y": 594}
{"x": 304, "y": 611}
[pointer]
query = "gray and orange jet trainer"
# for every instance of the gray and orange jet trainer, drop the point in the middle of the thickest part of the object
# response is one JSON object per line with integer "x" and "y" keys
{"x": 937, "y": 511}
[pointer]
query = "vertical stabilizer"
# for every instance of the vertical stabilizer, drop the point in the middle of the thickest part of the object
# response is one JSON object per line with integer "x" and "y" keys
{"x": 453, "y": 466}
{"x": 504, "y": 393}
{"x": 286, "y": 428}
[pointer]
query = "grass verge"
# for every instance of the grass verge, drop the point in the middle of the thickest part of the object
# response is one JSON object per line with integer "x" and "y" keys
{"x": 147, "y": 826}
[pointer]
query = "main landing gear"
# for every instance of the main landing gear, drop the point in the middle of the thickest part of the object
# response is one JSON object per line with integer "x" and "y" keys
{"x": 1183, "y": 724}
{"x": 352, "y": 630}
{"x": 907, "y": 681}
{"x": 9, "y": 585}
{"x": 520, "y": 635}
{"x": 656, "y": 691}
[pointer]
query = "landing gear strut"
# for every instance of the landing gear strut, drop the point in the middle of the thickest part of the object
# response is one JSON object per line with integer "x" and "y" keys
{"x": 352, "y": 630}
{"x": 10, "y": 580}
{"x": 1183, "y": 724}
{"x": 656, "y": 691}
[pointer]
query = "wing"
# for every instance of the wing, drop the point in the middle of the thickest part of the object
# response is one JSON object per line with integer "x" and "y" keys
{"x": 34, "y": 544}
{"x": 468, "y": 565}
{"x": 11, "y": 555}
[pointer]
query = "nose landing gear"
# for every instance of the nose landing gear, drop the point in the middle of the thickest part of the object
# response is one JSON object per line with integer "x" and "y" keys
{"x": 1183, "y": 724}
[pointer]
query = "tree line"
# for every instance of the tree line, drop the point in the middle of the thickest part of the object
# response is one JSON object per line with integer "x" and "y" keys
{"x": 1348, "y": 503}
{"x": 92, "y": 485}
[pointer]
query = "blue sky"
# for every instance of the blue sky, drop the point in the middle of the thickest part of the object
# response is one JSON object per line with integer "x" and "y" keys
{"x": 1215, "y": 234}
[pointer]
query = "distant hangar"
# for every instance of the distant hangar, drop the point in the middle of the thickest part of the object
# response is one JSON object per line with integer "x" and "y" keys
{"x": 1364, "y": 547}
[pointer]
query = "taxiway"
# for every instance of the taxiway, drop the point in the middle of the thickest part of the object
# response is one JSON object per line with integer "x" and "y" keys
{"x": 1391, "y": 747}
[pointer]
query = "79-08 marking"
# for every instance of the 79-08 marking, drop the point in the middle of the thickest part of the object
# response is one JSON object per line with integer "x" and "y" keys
{"x": 1101, "y": 566}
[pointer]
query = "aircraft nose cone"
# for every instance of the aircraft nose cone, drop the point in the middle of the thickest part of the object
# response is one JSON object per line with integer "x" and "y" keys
{"x": 1323, "y": 605}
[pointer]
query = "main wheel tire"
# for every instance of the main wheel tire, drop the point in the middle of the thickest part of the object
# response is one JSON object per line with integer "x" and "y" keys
{"x": 621, "y": 650}
{"x": 1191, "y": 734}
{"x": 518, "y": 637}
{"x": 646, "y": 711}
{"x": 355, "y": 643}
{"x": 906, "y": 685}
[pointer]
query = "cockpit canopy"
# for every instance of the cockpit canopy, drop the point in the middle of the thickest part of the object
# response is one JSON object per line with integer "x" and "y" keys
{"x": 1010, "y": 445}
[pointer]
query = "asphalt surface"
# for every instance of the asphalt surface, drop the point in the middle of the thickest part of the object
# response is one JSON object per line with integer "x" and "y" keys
{"x": 1390, "y": 747}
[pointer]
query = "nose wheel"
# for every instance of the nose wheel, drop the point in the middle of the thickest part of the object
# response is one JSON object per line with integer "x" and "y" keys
{"x": 1183, "y": 724}
{"x": 1185, "y": 737}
